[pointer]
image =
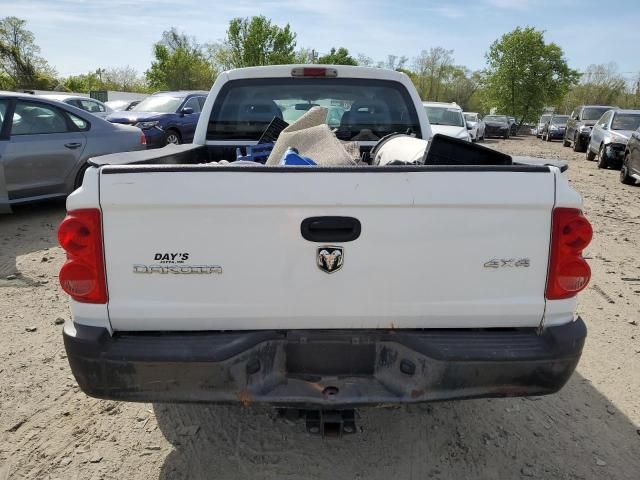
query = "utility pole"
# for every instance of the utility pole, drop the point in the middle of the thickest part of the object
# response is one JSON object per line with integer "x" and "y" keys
{"x": 99, "y": 72}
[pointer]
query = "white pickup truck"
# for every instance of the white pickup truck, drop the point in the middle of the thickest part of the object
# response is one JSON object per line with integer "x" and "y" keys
{"x": 323, "y": 287}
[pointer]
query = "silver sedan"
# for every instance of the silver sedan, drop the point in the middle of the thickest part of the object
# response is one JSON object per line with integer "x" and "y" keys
{"x": 45, "y": 145}
{"x": 610, "y": 135}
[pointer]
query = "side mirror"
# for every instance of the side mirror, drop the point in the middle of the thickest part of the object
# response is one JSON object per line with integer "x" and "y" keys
{"x": 186, "y": 111}
{"x": 469, "y": 127}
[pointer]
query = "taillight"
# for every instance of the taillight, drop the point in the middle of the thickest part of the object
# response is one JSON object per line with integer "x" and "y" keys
{"x": 314, "y": 72}
{"x": 143, "y": 139}
{"x": 82, "y": 276}
{"x": 569, "y": 273}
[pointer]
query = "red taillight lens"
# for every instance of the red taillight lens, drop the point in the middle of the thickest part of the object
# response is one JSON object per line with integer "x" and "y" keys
{"x": 568, "y": 273}
{"x": 82, "y": 276}
{"x": 143, "y": 139}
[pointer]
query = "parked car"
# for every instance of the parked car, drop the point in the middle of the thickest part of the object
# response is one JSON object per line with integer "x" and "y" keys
{"x": 555, "y": 127}
{"x": 630, "y": 170}
{"x": 477, "y": 125}
{"x": 165, "y": 117}
{"x": 45, "y": 145}
{"x": 447, "y": 119}
{"x": 513, "y": 126}
{"x": 122, "y": 105}
{"x": 541, "y": 123}
{"x": 609, "y": 137}
{"x": 497, "y": 126}
{"x": 580, "y": 123}
{"x": 488, "y": 257}
{"x": 91, "y": 105}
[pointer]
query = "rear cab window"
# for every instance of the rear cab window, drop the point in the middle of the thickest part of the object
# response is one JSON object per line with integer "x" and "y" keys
{"x": 358, "y": 109}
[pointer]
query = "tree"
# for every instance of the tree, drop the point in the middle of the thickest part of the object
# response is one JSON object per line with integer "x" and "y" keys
{"x": 20, "y": 63}
{"x": 256, "y": 41}
{"x": 338, "y": 57}
{"x": 115, "y": 78}
{"x": 123, "y": 78}
{"x": 600, "y": 85}
{"x": 180, "y": 64}
{"x": 461, "y": 85}
{"x": 393, "y": 62}
{"x": 365, "y": 61}
{"x": 83, "y": 83}
{"x": 525, "y": 74}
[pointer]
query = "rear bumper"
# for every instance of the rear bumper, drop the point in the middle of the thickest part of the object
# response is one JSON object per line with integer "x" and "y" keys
{"x": 556, "y": 134}
{"x": 154, "y": 137}
{"x": 496, "y": 131}
{"x": 323, "y": 368}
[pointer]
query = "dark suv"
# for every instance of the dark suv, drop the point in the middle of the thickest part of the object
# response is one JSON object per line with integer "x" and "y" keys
{"x": 579, "y": 125}
{"x": 165, "y": 117}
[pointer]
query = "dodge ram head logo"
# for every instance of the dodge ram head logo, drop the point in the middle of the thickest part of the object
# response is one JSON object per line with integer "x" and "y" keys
{"x": 330, "y": 258}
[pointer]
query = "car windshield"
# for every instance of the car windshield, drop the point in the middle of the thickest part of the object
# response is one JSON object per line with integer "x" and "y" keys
{"x": 560, "y": 119}
{"x": 544, "y": 119}
{"x": 444, "y": 116}
{"x": 625, "y": 121}
{"x": 495, "y": 118}
{"x": 594, "y": 113}
{"x": 117, "y": 104}
{"x": 358, "y": 109}
{"x": 158, "y": 103}
{"x": 470, "y": 117}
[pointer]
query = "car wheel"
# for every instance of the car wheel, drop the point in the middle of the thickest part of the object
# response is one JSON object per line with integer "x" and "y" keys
{"x": 172, "y": 137}
{"x": 624, "y": 172}
{"x": 602, "y": 158}
{"x": 577, "y": 147}
{"x": 590, "y": 155}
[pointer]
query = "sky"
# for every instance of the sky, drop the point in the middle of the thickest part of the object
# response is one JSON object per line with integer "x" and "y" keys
{"x": 77, "y": 36}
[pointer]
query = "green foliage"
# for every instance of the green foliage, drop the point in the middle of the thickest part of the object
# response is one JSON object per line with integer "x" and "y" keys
{"x": 256, "y": 41}
{"x": 21, "y": 66}
{"x": 525, "y": 74}
{"x": 125, "y": 79}
{"x": 599, "y": 85}
{"x": 338, "y": 57}
{"x": 180, "y": 63}
{"x": 81, "y": 83}
{"x": 433, "y": 69}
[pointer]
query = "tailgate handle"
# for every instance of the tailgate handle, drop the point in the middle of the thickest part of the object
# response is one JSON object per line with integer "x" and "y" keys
{"x": 330, "y": 229}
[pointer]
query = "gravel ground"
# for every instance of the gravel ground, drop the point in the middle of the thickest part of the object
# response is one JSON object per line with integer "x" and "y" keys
{"x": 50, "y": 430}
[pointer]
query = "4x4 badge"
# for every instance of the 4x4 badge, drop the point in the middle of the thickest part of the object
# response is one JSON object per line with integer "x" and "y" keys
{"x": 330, "y": 258}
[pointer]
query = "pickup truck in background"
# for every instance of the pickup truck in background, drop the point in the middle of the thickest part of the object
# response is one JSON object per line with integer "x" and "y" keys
{"x": 320, "y": 287}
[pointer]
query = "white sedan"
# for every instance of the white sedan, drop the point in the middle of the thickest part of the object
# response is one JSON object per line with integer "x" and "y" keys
{"x": 91, "y": 105}
{"x": 476, "y": 123}
{"x": 447, "y": 119}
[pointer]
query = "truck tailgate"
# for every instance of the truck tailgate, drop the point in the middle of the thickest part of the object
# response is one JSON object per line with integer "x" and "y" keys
{"x": 213, "y": 248}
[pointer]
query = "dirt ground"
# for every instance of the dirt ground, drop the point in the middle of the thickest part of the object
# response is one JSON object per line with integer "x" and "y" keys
{"x": 49, "y": 429}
